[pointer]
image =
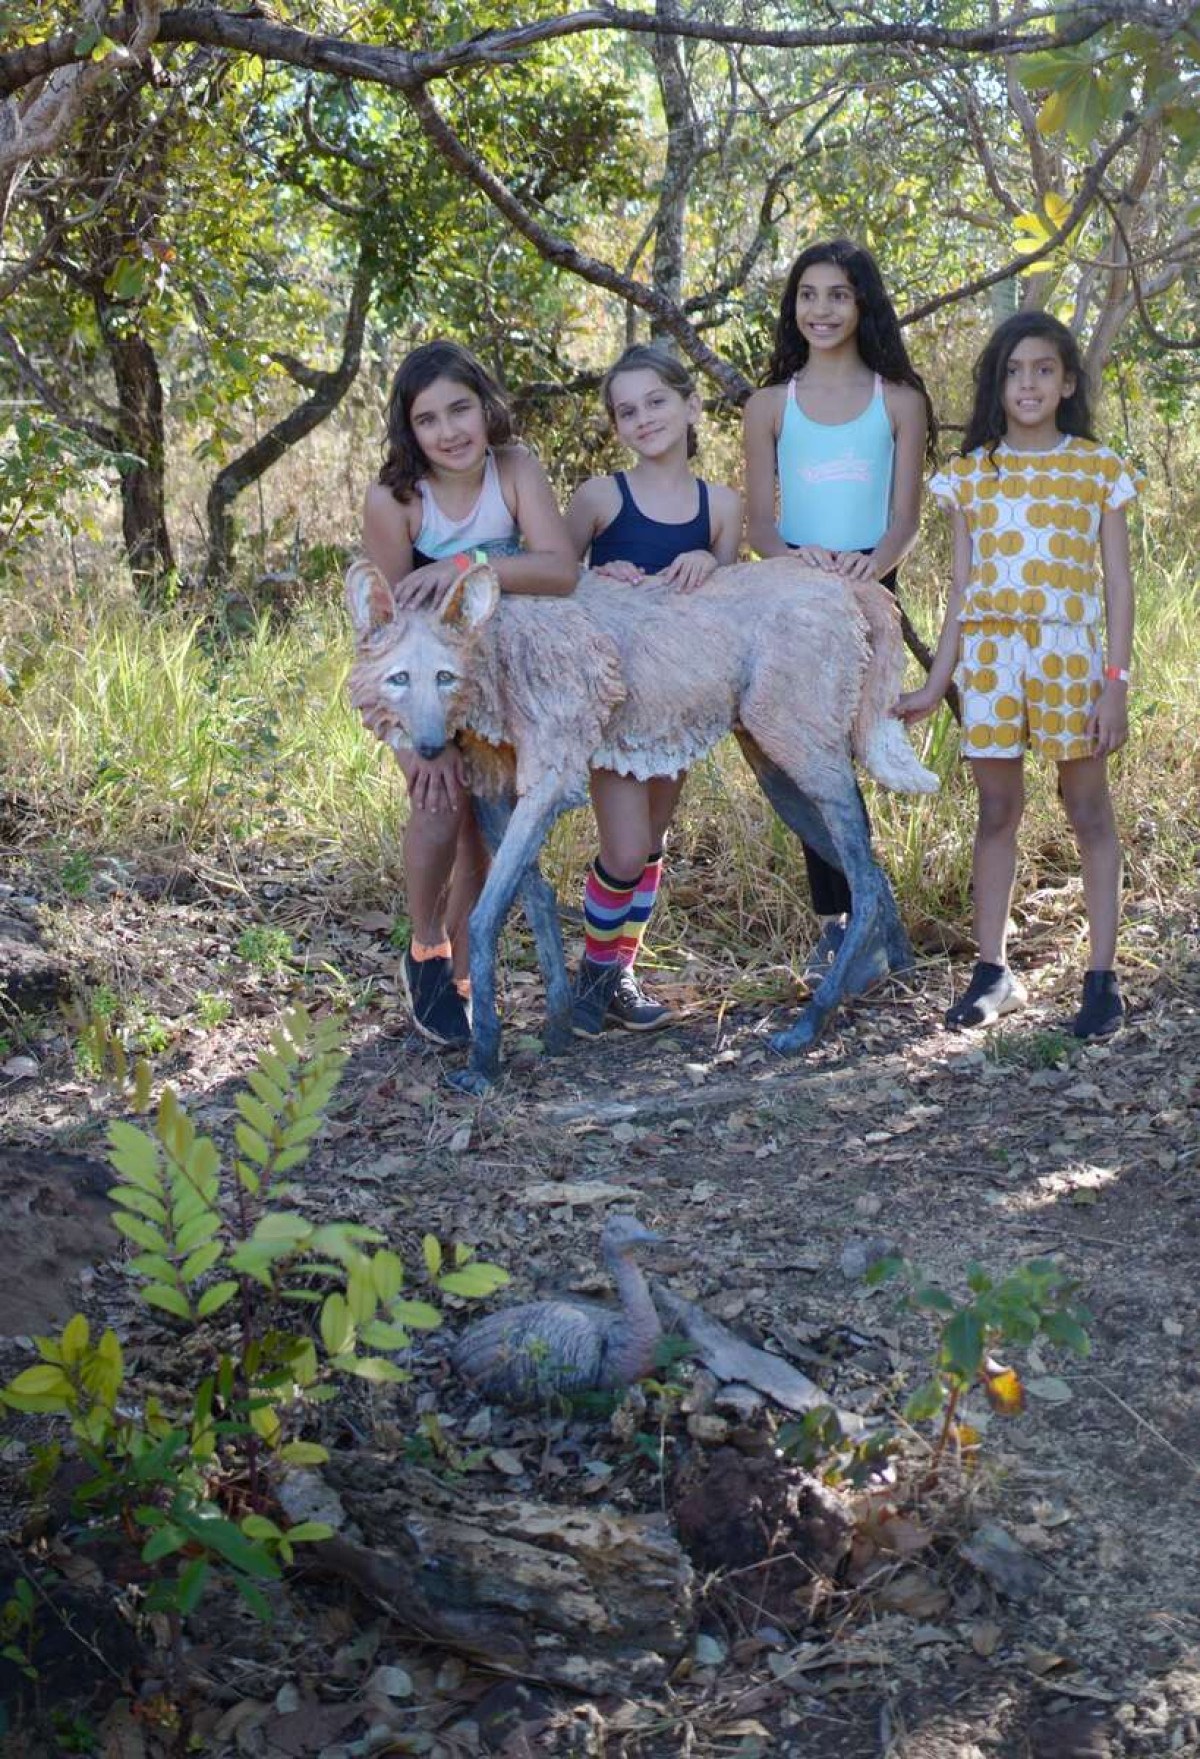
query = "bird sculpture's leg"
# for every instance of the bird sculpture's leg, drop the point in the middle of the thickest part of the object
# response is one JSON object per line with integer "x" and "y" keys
{"x": 541, "y": 913}
{"x": 531, "y": 818}
{"x": 839, "y": 830}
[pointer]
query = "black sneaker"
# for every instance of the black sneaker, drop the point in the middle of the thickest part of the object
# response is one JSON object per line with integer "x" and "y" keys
{"x": 594, "y": 986}
{"x": 1103, "y": 1011}
{"x": 439, "y": 1012}
{"x": 630, "y": 1006}
{"x": 992, "y": 991}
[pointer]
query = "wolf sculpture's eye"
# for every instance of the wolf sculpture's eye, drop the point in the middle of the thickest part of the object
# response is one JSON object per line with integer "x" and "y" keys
{"x": 445, "y": 678}
{"x": 398, "y": 680}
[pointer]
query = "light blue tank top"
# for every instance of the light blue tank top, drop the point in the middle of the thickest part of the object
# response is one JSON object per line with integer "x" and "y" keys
{"x": 835, "y": 481}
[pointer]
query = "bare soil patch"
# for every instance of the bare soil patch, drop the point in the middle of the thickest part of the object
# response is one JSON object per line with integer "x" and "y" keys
{"x": 768, "y": 1176}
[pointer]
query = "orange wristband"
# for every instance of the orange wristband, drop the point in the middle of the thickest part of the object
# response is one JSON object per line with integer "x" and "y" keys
{"x": 1116, "y": 674}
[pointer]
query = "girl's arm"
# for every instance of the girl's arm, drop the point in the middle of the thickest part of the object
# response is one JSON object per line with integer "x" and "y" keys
{"x": 549, "y": 562}
{"x": 760, "y": 431}
{"x": 906, "y": 407}
{"x": 914, "y": 705}
{"x": 387, "y": 540}
{"x": 1109, "y": 720}
{"x": 593, "y": 507}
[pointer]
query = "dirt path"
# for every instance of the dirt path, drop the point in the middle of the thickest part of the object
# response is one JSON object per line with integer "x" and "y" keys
{"x": 948, "y": 1150}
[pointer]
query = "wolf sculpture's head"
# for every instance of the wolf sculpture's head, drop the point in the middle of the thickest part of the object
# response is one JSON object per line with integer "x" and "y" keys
{"x": 411, "y": 676}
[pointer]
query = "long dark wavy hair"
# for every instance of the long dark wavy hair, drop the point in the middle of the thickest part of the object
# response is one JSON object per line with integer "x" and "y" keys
{"x": 403, "y": 460}
{"x": 879, "y": 338}
{"x": 652, "y": 357}
{"x": 988, "y": 423}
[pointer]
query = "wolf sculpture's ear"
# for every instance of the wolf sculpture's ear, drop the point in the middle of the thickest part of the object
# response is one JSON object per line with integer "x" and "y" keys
{"x": 368, "y": 598}
{"x": 475, "y": 596}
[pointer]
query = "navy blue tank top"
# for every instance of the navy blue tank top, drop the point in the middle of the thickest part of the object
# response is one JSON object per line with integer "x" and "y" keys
{"x": 650, "y": 544}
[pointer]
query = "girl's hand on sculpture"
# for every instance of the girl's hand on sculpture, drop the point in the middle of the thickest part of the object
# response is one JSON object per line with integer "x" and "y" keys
{"x": 690, "y": 570}
{"x": 426, "y": 588}
{"x": 437, "y": 784}
{"x": 914, "y": 705}
{"x": 628, "y": 573}
{"x": 1108, "y": 723}
{"x": 853, "y": 565}
{"x": 813, "y": 556}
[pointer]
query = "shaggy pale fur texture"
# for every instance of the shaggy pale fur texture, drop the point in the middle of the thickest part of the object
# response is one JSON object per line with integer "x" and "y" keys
{"x": 645, "y": 680}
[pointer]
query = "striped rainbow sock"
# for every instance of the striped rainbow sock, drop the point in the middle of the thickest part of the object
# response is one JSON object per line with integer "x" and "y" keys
{"x": 634, "y": 931}
{"x": 606, "y": 904}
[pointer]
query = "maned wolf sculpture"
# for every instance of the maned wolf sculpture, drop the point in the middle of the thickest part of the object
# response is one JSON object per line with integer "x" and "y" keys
{"x": 800, "y": 665}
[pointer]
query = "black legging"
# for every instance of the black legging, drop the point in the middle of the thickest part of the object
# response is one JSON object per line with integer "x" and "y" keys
{"x": 828, "y": 885}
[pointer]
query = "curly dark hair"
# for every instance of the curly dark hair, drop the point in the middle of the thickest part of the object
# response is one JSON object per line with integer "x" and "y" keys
{"x": 988, "y": 423}
{"x": 403, "y": 460}
{"x": 656, "y": 358}
{"x": 879, "y": 340}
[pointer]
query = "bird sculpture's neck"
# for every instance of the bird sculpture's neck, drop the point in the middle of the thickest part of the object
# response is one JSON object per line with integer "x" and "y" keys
{"x": 635, "y": 1339}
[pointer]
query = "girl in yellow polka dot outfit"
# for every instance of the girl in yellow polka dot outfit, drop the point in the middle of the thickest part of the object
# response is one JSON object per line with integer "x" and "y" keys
{"x": 1035, "y": 501}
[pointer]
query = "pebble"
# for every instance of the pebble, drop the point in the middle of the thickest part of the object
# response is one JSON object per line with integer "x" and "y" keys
{"x": 20, "y": 1068}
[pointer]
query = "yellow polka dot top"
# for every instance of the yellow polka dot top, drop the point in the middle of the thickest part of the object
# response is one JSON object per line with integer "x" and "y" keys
{"x": 1034, "y": 519}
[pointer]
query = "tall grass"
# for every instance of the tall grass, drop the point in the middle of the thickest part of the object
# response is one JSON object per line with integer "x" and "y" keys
{"x": 127, "y": 733}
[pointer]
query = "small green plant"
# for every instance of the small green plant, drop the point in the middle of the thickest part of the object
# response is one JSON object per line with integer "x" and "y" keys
{"x": 190, "y": 1474}
{"x": 1035, "y": 1299}
{"x": 270, "y": 949}
{"x": 211, "y": 1009}
{"x": 76, "y": 873}
{"x": 400, "y": 934}
{"x": 104, "y": 1003}
{"x": 1048, "y": 1049}
{"x": 18, "y": 1627}
{"x": 151, "y": 1035}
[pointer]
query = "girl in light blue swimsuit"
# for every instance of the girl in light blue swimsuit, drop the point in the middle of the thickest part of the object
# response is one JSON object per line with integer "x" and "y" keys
{"x": 835, "y": 449}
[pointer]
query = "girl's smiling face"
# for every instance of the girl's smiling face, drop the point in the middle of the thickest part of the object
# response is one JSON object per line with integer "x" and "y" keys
{"x": 1035, "y": 383}
{"x": 450, "y": 426}
{"x": 826, "y": 306}
{"x": 650, "y": 416}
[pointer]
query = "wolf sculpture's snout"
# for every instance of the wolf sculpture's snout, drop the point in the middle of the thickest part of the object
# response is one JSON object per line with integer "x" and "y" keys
{"x": 427, "y": 749}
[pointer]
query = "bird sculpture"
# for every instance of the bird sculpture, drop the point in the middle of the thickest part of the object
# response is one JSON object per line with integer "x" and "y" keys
{"x": 524, "y": 1355}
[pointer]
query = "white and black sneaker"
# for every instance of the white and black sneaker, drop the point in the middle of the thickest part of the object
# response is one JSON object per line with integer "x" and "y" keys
{"x": 439, "y": 1012}
{"x": 992, "y": 991}
{"x": 633, "y": 1009}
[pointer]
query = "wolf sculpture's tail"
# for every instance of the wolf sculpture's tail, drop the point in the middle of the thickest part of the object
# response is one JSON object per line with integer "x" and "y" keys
{"x": 880, "y": 741}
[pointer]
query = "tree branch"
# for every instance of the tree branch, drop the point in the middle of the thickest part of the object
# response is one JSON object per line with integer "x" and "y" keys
{"x": 62, "y": 411}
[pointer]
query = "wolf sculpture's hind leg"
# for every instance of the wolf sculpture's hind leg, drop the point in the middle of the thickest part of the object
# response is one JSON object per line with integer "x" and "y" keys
{"x": 838, "y": 829}
{"x": 531, "y": 818}
{"x": 541, "y": 913}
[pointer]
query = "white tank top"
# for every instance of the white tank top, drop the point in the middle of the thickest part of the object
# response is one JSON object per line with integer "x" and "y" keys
{"x": 488, "y": 526}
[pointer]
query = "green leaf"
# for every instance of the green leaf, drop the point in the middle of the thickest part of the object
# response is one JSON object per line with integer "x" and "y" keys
{"x": 303, "y": 1453}
{"x": 432, "y": 1250}
{"x": 360, "y": 1292}
{"x": 43, "y": 1380}
{"x": 192, "y": 1579}
{"x": 474, "y": 1280}
{"x": 271, "y": 1096}
{"x": 143, "y": 1202}
{"x": 387, "y": 1274}
{"x": 1064, "y": 1329}
{"x": 256, "y": 1115}
{"x": 259, "y": 1527}
{"x": 962, "y": 1343}
{"x": 74, "y": 1340}
{"x": 307, "y": 1532}
{"x": 926, "y": 1402}
{"x": 202, "y": 1228}
{"x": 214, "y": 1298}
{"x": 252, "y": 1144}
{"x": 153, "y": 1264}
{"x": 382, "y": 1336}
{"x": 337, "y": 1326}
{"x": 163, "y": 1542}
{"x": 201, "y": 1260}
{"x": 376, "y": 1368}
{"x": 254, "y": 1598}
{"x": 284, "y": 1226}
{"x": 142, "y": 1233}
{"x": 421, "y": 1315}
{"x": 135, "y": 1155}
{"x": 170, "y": 1300}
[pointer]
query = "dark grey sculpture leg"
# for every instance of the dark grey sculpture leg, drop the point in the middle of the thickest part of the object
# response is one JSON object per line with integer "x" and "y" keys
{"x": 541, "y": 913}
{"x": 838, "y": 830}
{"x": 531, "y": 818}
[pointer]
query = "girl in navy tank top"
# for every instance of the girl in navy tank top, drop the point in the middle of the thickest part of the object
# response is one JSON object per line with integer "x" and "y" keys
{"x": 657, "y": 519}
{"x": 838, "y": 436}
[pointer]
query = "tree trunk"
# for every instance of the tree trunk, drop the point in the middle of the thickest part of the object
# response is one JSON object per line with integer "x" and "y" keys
{"x": 140, "y": 426}
{"x": 326, "y": 392}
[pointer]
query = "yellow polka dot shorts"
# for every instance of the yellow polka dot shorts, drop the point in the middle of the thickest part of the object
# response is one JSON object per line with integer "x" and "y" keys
{"x": 1028, "y": 685}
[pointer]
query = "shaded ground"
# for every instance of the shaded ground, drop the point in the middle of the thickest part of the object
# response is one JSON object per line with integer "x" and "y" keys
{"x": 947, "y": 1149}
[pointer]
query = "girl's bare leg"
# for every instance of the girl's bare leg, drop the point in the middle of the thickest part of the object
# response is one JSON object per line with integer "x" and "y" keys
{"x": 664, "y": 792}
{"x": 622, "y": 808}
{"x": 466, "y": 883}
{"x": 1090, "y": 810}
{"x": 1000, "y": 784}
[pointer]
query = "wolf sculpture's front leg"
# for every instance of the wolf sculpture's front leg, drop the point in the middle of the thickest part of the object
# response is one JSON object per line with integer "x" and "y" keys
{"x": 531, "y": 818}
{"x": 541, "y": 913}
